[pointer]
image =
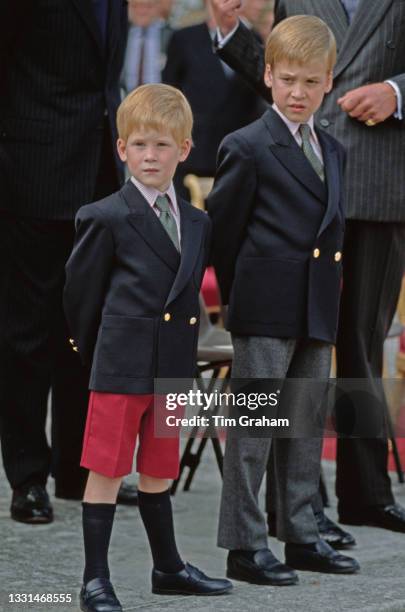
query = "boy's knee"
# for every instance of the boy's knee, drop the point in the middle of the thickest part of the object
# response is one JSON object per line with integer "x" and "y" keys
{"x": 150, "y": 484}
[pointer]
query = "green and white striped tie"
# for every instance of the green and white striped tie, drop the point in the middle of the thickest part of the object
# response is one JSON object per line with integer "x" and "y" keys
{"x": 309, "y": 152}
{"x": 167, "y": 220}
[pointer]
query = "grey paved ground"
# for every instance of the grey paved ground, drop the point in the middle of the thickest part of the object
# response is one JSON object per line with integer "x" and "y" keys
{"x": 49, "y": 559}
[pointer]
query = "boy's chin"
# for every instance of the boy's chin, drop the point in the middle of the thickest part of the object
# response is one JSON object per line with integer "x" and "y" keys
{"x": 298, "y": 116}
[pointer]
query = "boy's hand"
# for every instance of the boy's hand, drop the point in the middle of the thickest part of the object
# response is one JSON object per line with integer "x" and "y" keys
{"x": 375, "y": 102}
{"x": 225, "y": 13}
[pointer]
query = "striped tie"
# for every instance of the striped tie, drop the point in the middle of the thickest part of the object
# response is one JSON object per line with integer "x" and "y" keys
{"x": 167, "y": 220}
{"x": 309, "y": 152}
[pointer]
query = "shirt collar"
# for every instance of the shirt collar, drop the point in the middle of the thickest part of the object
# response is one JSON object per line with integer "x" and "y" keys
{"x": 293, "y": 126}
{"x": 150, "y": 194}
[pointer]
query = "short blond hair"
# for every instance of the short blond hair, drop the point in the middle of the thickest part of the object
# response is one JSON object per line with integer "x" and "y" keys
{"x": 158, "y": 107}
{"x": 302, "y": 38}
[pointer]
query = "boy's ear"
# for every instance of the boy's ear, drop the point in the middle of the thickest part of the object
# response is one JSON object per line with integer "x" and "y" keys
{"x": 268, "y": 76}
{"x": 185, "y": 149}
{"x": 122, "y": 149}
{"x": 329, "y": 82}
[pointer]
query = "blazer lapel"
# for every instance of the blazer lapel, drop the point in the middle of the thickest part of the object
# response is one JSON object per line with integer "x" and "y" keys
{"x": 146, "y": 223}
{"x": 86, "y": 12}
{"x": 191, "y": 236}
{"x": 332, "y": 179}
{"x": 365, "y": 21}
{"x": 334, "y": 15}
{"x": 287, "y": 151}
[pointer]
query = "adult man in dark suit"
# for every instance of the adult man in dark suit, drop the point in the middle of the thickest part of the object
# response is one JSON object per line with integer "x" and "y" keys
{"x": 60, "y": 63}
{"x": 220, "y": 100}
{"x": 364, "y": 112}
{"x": 148, "y": 39}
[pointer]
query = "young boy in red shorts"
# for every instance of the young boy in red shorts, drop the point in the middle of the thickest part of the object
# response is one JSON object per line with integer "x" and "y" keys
{"x": 131, "y": 300}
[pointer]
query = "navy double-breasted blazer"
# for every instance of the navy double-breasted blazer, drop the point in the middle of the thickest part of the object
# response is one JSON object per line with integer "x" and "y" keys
{"x": 131, "y": 300}
{"x": 278, "y": 232}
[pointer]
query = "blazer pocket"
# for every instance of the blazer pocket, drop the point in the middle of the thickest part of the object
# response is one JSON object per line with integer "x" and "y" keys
{"x": 125, "y": 347}
{"x": 269, "y": 290}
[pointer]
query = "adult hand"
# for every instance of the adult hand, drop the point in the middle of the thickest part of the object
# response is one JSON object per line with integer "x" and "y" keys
{"x": 375, "y": 102}
{"x": 225, "y": 13}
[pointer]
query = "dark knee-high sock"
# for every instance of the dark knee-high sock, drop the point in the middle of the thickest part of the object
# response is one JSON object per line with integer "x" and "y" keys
{"x": 97, "y": 526}
{"x": 157, "y": 516}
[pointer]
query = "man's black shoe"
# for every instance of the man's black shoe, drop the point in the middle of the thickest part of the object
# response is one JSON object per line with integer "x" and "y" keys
{"x": 127, "y": 494}
{"x": 31, "y": 504}
{"x": 319, "y": 557}
{"x": 259, "y": 567}
{"x": 334, "y": 535}
{"x": 189, "y": 581}
{"x": 390, "y": 517}
{"x": 98, "y": 596}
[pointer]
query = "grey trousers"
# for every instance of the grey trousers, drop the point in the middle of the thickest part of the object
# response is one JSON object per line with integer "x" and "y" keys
{"x": 242, "y": 525}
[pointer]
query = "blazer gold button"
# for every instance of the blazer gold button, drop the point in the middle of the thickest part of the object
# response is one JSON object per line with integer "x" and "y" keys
{"x": 75, "y": 349}
{"x": 316, "y": 253}
{"x": 338, "y": 256}
{"x": 72, "y": 342}
{"x": 167, "y": 316}
{"x": 193, "y": 321}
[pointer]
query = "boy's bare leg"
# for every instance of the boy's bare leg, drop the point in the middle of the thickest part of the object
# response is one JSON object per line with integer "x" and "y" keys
{"x": 148, "y": 484}
{"x": 101, "y": 489}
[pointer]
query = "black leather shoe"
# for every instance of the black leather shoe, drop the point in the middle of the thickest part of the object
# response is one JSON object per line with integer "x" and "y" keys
{"x": 390, "y": 517}
{"x": 334, "y": 535}
{"x": 319, "y": 557}
{"x": 189, "y": 581}
{"x": 31, "y": 504}
{"x": 261, "y": 568}
{"x": 328, "y": 531}
{"x": 127, "y": 494}
{"x": 98, "y": 596}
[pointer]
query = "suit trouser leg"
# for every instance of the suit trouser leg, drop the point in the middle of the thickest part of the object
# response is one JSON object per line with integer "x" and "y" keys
{"x": 373, "y": 266}
{"x": 297, "y": 460}
{"x": 33, "y": 267}
{"x": 242, "y": 524}
{"x": 69, "y": 379}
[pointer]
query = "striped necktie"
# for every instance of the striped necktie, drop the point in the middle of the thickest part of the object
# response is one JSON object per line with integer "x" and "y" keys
{"x": 309, "y": 152}
{"x": 167, "y": 220}
{"x": 350, "y": 8}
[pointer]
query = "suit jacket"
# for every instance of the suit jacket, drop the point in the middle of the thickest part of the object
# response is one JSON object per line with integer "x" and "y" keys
{"x": 221, "y": 102}
{"x": 278, "y": 233}
{"x": 60, "y": 83}
{"x": 371, "y": 49}
{"x": 131, "y": 301}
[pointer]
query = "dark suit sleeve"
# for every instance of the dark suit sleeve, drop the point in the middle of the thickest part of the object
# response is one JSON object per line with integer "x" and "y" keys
{"x": 173, "y": 72}
{"x": 87, "y": 274}
{"x": 245, "y": 54}
{"x": 229, "y": 205}
{"x": 15, "y": 18}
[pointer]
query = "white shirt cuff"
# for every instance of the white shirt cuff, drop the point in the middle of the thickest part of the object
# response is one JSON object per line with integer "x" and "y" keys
{"x": 222, "y": 40}
{"x": 398, "y": 114}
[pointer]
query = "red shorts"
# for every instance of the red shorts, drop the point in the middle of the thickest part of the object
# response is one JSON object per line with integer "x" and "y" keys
{"x": 114, "y": 422}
